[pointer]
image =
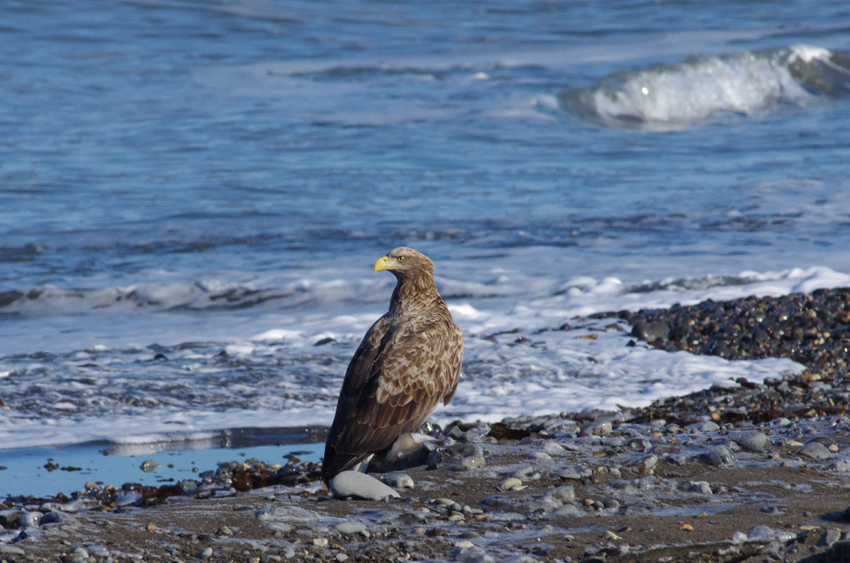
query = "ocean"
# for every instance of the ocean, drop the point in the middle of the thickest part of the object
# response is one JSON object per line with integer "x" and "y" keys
{"x": 194, "y": 193}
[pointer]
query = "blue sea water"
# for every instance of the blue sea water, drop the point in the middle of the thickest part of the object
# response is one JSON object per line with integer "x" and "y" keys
{"x": 199, "y": 173}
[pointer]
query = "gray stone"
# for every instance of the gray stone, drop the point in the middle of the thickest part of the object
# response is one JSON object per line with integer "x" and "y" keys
{"x": 77, "y": 556}
{"x": 289, "y": 553}
{"x": 205, "y": 553}
{"x": 598, "y": 428}
{"x": 30, "y": 519}
{"x": 553, "y": 448}
{"x": 56, "y": 517}
{"x": 704, "y": 426}
{"x": 9, "y": 517}
{"x": 11, "y": 550}
{"x": 128, "y": 499}
{"x": 351, "y": 528}
{"x": 719, "y": 456}
{"x": 469, "y": 463}
{"x": 753, "y": 441}
{"x": 148, "y": 465}
{"x": 815, "y": 450}
{"x": 510, "y": 484}
{"x": 568, "y": 510}
{"x": 471, "y": 555}
{"x": 353, "y": 484}
{"x": 829, "y": 537}
{"x": 565, "y": 494}
{"x": 701, "y": 487}
{"x": 398, "y": 481}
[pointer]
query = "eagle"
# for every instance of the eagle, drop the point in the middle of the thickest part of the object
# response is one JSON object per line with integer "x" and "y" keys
{"x": 406, "y": 364}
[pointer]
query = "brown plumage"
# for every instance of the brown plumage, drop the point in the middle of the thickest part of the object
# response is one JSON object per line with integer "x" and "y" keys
{"x": 406, "y": 364}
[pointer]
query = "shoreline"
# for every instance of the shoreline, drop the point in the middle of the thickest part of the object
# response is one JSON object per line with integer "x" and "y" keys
{"x": 739, "y": 472}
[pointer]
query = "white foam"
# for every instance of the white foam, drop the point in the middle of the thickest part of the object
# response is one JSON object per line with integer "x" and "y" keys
{"x": 282, "y": 379}
{"x": 676, "y": 96}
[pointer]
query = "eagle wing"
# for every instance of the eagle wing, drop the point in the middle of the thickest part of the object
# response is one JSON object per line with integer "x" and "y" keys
{"x": 394, "y": 381}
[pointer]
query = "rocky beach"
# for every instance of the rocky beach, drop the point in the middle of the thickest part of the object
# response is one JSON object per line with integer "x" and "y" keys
{"x": 744, "y": 471}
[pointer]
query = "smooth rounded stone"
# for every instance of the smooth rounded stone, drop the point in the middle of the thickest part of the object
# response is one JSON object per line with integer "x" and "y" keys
{"x": 599, "y": 428}
{"x": 701, "y": 487}
{"x": 469, "y": 463}
{"x": 753, "y": 441}
{"x": 351, "y": 528}
{"x": 651, "y": 330}
{"x": 205, "y": 553}
{"x": 361, "y": 486}
{"x": 320, "y": 542}
{"x": 100, "y": 551}
{"x": 815, "y": 450}
{"x": 128, "y": 499}
{"x": 341, "y": 557}
{"x": 647, "y": 463}
{"x": 148, "y": 465}
{"x": 289, "y": 553}
{"x": 704, "y": 426}
{"x": 739, "y": 537}
{"x": 510, "y": 484}
{"x": 444, "y": 501}
{"x": 538, "y": 455}
{"x": 472, "y": 554}
{"x": 553, "y": 448}
{"x": 77, "y": 556}
{"x": 564, "y": 494}
{"x": 842, "y": 466}
{"x": 398, "y": 481}
{"x": 56, "y": 517}
{"x": 781, "y": 421}
{"x": 11, "y": 550}
{"x": 718, "y": 456}
{"x": 30, "y": 519}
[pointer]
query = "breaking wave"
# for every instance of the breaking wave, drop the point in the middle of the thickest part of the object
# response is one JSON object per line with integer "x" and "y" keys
{"x": 674, "y": 97}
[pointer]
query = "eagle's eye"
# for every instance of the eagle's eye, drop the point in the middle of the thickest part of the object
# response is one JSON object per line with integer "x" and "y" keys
{"x": 401, "y": 258}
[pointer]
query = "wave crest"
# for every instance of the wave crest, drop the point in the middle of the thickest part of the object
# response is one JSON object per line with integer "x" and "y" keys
{"x": 673, "y": 97}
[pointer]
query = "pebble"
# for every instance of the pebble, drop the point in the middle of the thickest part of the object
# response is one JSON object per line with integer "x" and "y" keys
{"x": 56, "y": 517}
{"x": 719, "y": 455}
{"x": 753, "y": 441}
{"x": 564, "y": 494}
{"x": 320, "y": 542}
{"x": 128, "y": 499}
{"x": 11, "y": 550}
{"x": 510, "y": 484}
{"x": 351, "y": 528}
{"x": 361, "y": 486}
{"x": 205, "y": 553}
{"x": 553, "y": 448}
{"x": 701, "y": 487}
{"x": 30, "y": 519}
{"x": 398, "y": 481}
{"x": 469, "y": 463}
{"x": 704, "y": 426}
{"x": 815, "y": 450}
{"x": 148, "y": 465}
{"x": 289, "y": 553}
{"x": 599, "y": 428}
{"x": 77, "y": 556}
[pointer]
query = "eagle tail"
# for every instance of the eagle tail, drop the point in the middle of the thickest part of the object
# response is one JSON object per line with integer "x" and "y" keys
{"x": 335, "y": 463}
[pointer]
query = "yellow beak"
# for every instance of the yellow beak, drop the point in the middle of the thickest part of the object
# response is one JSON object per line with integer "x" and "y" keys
{"x": 382, "y": 264}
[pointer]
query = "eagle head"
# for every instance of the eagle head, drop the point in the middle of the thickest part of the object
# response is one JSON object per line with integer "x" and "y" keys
{"x": 405, "y": 262}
